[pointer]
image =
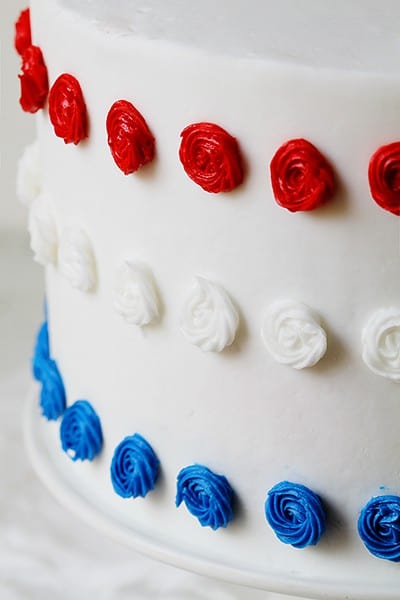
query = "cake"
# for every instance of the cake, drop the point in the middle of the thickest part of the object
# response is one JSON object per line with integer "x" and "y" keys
{"x": 215, "y": 196}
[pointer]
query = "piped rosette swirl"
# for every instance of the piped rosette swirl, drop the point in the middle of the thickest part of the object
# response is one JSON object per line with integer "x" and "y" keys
{"x": 43, "y": 231}
{"x": 135, "y": 294}
{"x": 52, "y": 398}
{"x": 209, "y": 318}
{"x": 379, "y": 527}
{"x": 80, "y": 432}
{"x": 76, "y": 259}
{"x": 34, "y": 80}
{"x": 67, "y": 109}
{"x": 381, "y": 343}
{"x": 293, "y": 335}
{"x": 207, "y": 496}
{"x": 301, "y": 177}
{"x": 384, "y": 177}
{"x": 296, "y": 514}
{"x": 134, "y": 467}
{"x": 52, "y": 393}
{"x": 130, "y": 140}
{"x": 211, "y": 157}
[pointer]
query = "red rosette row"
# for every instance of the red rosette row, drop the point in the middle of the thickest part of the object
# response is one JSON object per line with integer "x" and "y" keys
{"x": 302, "y": 178}
{"x": 67, "y": 107}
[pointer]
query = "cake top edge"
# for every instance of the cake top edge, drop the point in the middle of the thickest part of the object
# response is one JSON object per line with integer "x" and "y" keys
{"x": 356, "y": 35}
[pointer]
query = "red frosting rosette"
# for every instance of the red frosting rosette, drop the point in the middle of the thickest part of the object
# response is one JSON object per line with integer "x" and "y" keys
{"x": 34, "y": 80}
{"x": 131, "y": 142}
{"x": 22, "y": 36}
{"x": 211, "y": 157}
{"x": 384, "y": 177}
{"x": 67, "y": 109}
{"x": 301, "y": 177}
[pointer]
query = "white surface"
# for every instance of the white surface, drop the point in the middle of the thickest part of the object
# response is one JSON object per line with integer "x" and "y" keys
{"x": 45, "y": 551}
{"x": 237, "y": 412}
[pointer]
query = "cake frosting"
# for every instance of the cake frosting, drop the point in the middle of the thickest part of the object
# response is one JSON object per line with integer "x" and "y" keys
{"x": 224, "y": 176}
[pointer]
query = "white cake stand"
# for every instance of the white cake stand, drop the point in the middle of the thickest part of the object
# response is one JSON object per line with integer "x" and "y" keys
{"x": 40, "y": 441}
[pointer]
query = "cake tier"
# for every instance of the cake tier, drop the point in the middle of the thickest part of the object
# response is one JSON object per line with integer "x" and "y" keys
{"x": 332, "y": 427}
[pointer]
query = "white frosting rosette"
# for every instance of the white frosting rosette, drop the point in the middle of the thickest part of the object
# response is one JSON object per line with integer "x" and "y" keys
{"x": 381, "y": 343}
{"x": 43, "y": 232}
{"x": 209, "y": 318}
{"x": 293, "y": 335}
{"x": 76, "y": 259}
{"x": 29, "y": 180}
{"x": 135, "y": 294}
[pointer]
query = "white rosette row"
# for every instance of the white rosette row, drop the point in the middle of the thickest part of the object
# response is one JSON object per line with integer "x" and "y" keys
{"x": 291, "y": 331}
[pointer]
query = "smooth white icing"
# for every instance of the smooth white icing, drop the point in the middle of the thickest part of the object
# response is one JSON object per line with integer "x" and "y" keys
{"x": 76, "y": 261}
{"x": 43, "y": 231}
{"x": 360, "y": 34}
{"x": 29, "y": 174}
{"x": 381, "y": 343}
{"x": 293, "y": 335}
{"x": 333, "y": 428}
{"x": 135, "y": 294}
{"x": 209, "y": 319}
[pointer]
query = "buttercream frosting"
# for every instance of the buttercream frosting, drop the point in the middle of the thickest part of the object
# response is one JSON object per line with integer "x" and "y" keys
{"x": 209, "y": 318}
{"x": 293, "y": 335}
{"x": 34, "y": 80}
{"x": 379, "y": 527}
{"x": 43, "y": 231}
{"x": 207, "y": 496}
{"x": 381, "y": 343}
{"x": 67, "y": 109}
{"x": 134, "y": 467}
{"x": 296, "y": 514}
{"x": 76, "y": 261}
{"x": 130, "y": 140}
{"x": 80, "y": 432}
{"x": 52, "y": 393}
{"x": 135, "y": 294}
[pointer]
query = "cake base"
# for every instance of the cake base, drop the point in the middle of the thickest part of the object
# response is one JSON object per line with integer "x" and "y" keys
{"x": 41, "y": 439}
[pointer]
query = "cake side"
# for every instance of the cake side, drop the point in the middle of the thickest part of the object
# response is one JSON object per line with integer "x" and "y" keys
{"x": 238, "y": 412}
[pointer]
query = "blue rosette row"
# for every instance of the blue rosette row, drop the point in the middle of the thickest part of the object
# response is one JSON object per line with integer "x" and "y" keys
{"x": 294, "y": 512}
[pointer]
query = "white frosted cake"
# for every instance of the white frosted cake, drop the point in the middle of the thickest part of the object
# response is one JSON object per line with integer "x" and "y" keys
{"x": 215, "y": 196}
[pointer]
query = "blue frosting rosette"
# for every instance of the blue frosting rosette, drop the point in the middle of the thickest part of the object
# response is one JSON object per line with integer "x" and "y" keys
{"x": 80, "y": 431}
{"x": 207, "y": 496}
{"x": 296, "y": 514}
{"x": 52, "y": 394}
{"x": 379, "y": 527}
{"x": 134, "y": 467}
{"x": 41, "y": 353}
